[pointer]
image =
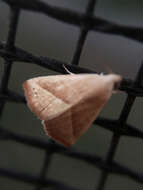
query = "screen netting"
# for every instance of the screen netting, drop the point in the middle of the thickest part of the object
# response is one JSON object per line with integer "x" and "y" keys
{"x": 11, "y": 54}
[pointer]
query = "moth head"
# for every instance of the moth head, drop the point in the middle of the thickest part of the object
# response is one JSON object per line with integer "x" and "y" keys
{"x": 116, "y": 79}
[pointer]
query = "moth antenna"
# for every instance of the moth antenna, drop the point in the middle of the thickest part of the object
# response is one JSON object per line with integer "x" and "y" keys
{"x": 67, "y": 70}
{"x": 109, "y": 69}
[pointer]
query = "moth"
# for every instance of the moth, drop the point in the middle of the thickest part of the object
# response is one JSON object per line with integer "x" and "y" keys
{"x": 68, "y": 104}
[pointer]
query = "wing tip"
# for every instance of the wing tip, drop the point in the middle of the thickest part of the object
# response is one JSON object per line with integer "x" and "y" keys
{"x": 57, "y": 138}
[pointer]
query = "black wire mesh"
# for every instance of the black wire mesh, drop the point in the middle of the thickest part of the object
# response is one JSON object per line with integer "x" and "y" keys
{"x": 10, "y": 53}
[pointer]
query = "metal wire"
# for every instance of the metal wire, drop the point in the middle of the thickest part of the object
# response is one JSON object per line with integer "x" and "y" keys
{"x": 10, "y": 53}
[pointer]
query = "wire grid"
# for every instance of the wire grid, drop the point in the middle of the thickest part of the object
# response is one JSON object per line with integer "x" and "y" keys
{"x": 10, "y": 53}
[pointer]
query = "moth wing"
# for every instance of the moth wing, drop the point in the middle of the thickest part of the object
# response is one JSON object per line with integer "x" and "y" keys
{"x": 69, "y": 88}
{"x": 78, "y": 118}
{"x": 42, "y": 102}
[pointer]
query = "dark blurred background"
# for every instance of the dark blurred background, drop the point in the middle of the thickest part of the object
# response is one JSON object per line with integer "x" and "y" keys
{"x": 42, "y": 35}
